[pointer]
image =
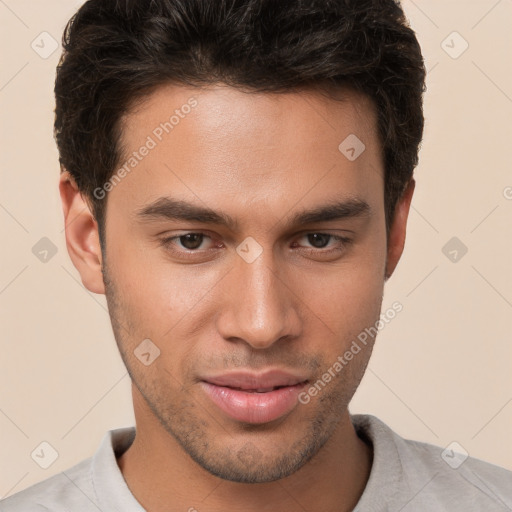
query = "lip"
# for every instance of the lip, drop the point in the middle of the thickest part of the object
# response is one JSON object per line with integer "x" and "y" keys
{"x": 248, "y": 380}
{"x": 235, "y": 394}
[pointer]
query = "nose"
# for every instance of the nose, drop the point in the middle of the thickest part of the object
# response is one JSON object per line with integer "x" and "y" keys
{"x": 260, "y": 306}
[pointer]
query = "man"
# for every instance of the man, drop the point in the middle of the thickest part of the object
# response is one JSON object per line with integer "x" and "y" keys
{"x": 236, "y": 178}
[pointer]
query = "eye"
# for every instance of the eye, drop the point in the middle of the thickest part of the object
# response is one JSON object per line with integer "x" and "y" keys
{"x": 195, "y": 245}
{"x": 188, "y": 241}
{"x": 191, "y": 240}
{"x": 321, "y": 240}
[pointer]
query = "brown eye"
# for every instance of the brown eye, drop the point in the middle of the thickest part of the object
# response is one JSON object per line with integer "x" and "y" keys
{"x": 319, "y": 240}
{"x": 323, "y": 245}
{"x": 194, "y": 246}
{"x": 191, "y": 240}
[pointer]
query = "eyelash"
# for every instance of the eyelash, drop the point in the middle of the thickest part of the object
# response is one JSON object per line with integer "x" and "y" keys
{"x": 167, "y": 243}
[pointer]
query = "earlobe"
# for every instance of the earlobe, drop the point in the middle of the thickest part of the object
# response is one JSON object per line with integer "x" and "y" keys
{"x": 396, "y": 239}
{"x": 82, "y": 236}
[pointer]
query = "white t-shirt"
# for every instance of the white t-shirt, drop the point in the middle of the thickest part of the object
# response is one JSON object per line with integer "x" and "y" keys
{"x": 406, "y": 476}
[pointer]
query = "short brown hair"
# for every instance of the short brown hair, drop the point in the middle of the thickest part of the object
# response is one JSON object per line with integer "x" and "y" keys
{"x": 116, "y": 51}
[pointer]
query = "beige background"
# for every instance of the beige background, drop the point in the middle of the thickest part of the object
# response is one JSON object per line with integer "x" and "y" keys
{"x": 441, "y": 371}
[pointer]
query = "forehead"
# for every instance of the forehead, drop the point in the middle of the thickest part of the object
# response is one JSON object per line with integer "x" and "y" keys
{"x": 221, "y": 113}
{"x": 213, "y": 143}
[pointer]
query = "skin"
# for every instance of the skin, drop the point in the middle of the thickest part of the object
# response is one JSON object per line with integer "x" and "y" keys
{"x": 260, "y": 158}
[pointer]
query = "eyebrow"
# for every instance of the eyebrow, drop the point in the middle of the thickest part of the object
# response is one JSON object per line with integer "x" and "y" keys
{"x": 167, "y": 208}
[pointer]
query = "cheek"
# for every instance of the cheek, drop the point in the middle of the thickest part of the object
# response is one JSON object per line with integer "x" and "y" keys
{"x": 349, "y": 309}
{"x": 158, "y": 298}
{"x": 346, "y": 311}
{"x": 347, "y": 297}
{"x": 154, "y": 305}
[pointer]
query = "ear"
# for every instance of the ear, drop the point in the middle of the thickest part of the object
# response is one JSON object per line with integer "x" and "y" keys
{"x": 82, "y": 236}
{"x": 396, "y": 238}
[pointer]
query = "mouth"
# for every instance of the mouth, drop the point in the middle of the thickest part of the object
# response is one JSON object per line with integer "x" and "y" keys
{"x": 261, "y": 390}
{"x": 251, "y": 398}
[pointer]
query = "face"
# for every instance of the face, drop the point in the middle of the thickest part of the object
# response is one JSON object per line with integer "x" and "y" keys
{"x": 251, "y": 251}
